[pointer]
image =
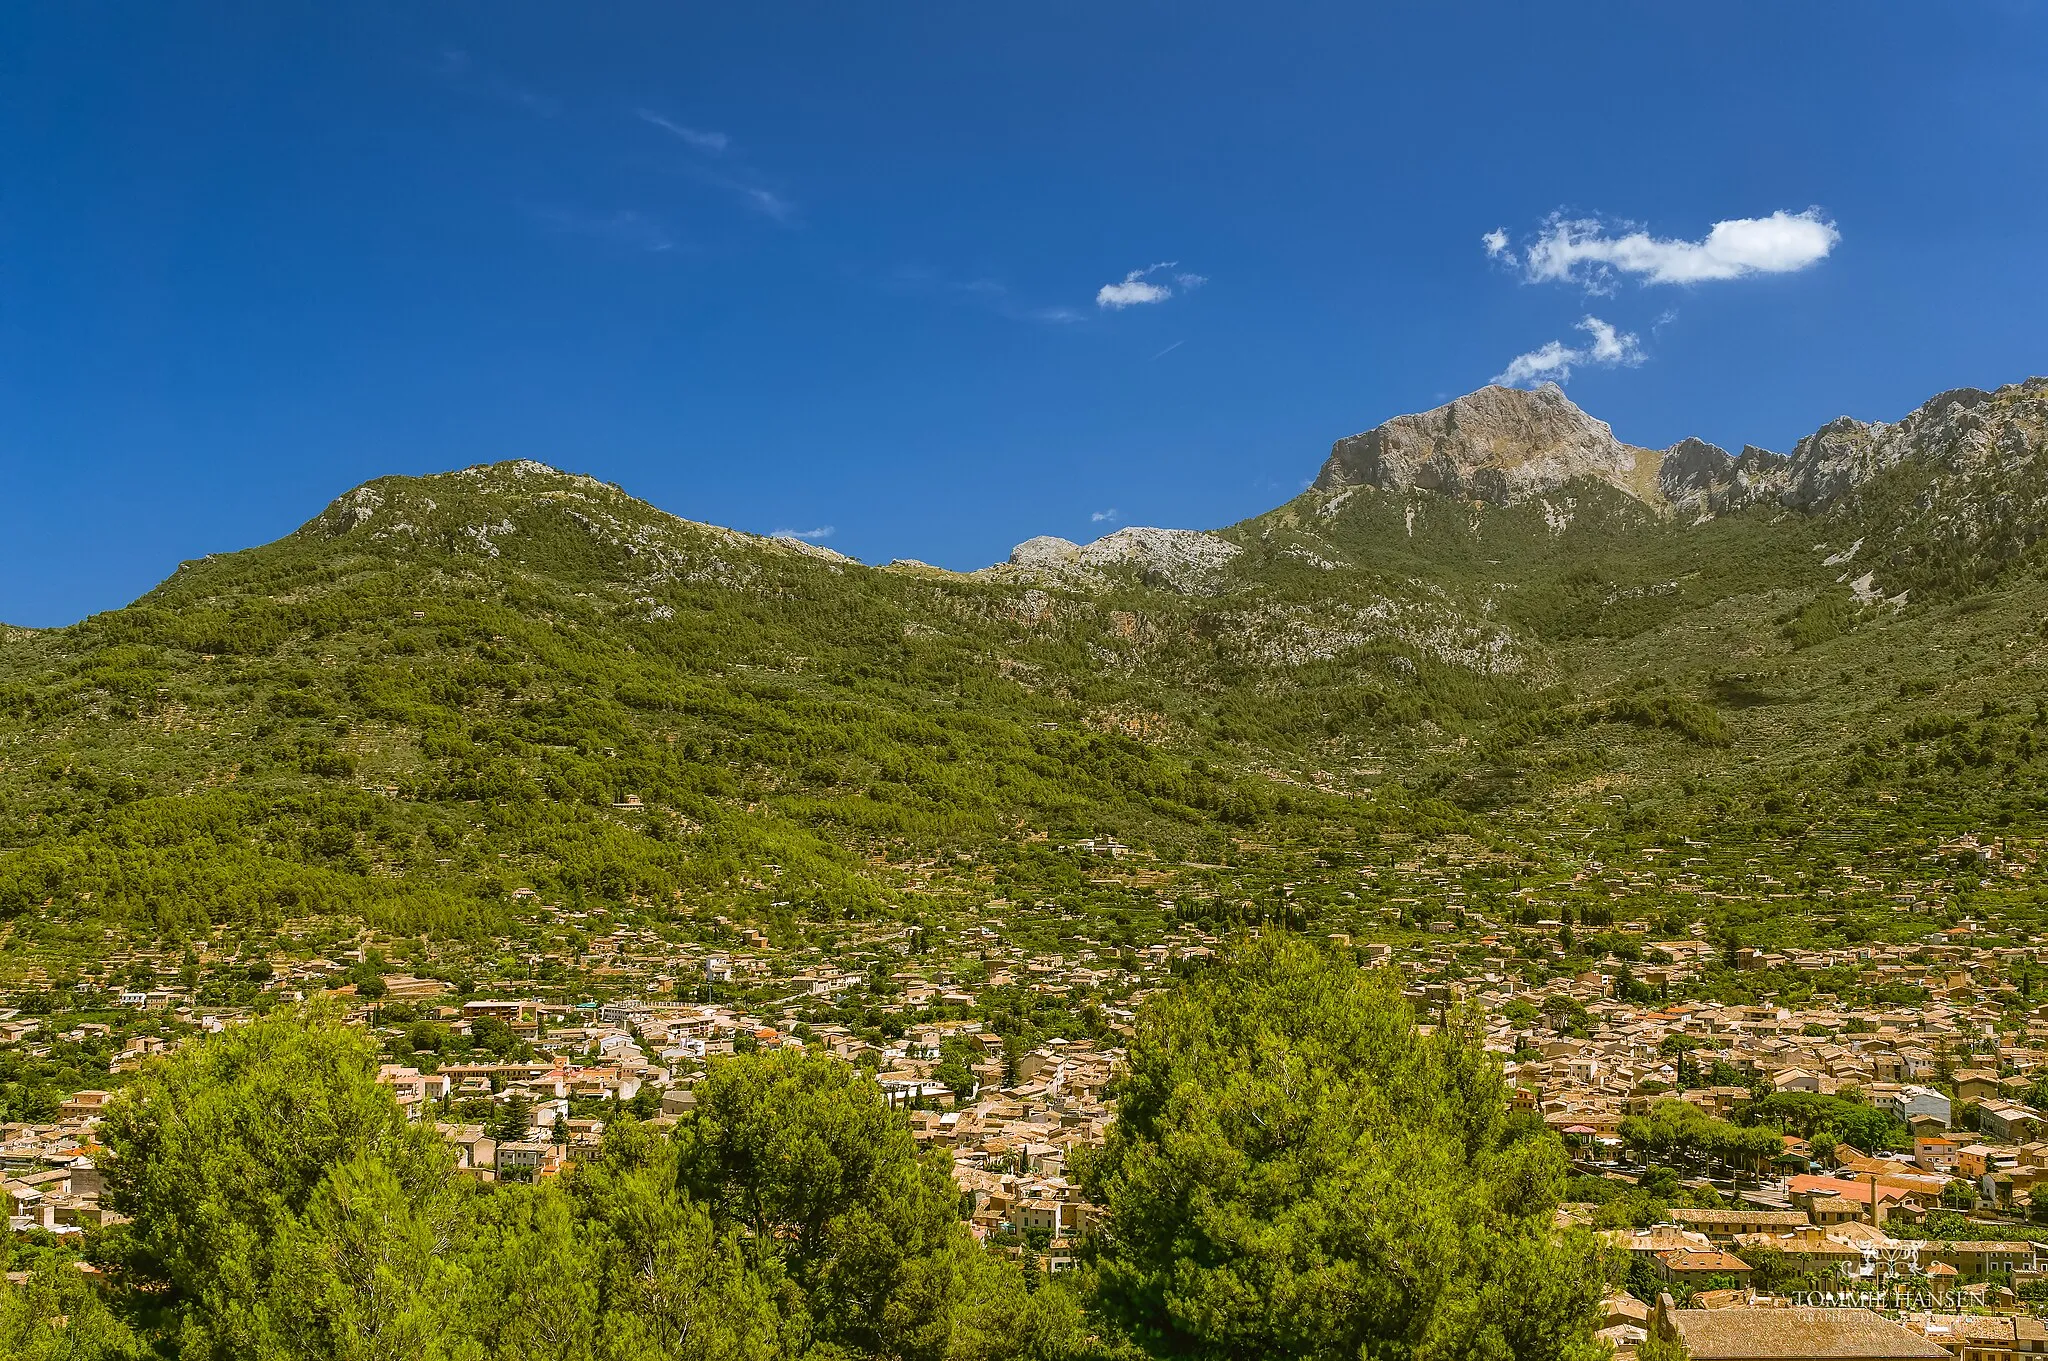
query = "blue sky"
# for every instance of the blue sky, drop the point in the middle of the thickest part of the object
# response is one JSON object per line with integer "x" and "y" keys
{"x": 791, "y": 267}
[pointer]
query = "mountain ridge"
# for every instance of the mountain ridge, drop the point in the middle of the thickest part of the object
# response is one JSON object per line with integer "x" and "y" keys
{"x": 1510, "y": 446}
{"x": 439, "y": 690}
{"x": 1497, "y": 445}
{"x": 1977, "y": 493}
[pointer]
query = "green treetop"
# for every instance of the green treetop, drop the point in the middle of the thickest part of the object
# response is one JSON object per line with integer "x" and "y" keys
{"x": 1296, "y": 1171}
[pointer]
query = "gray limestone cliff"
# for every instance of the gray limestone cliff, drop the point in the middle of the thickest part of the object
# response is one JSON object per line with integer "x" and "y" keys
{"x": 1966, "y": 466}
{"x": 1499, "y": 444}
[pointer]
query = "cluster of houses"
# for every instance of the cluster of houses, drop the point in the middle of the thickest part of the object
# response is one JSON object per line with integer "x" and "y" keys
{"x": 1957, "y": 1072}
{"x": 1009, "y": 1132}
{"x": 1583, "y": 1051}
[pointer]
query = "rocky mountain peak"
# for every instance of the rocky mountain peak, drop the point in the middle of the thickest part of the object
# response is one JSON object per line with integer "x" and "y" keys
{"x": 1183, "y": 559}
{"x": 1961, "y": 434}
{"x": 1498, "y": 444}
{"x": 1691, "y": 470}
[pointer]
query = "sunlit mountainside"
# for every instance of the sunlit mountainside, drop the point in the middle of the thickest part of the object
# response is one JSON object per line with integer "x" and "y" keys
{"x": 1491, "y": 634}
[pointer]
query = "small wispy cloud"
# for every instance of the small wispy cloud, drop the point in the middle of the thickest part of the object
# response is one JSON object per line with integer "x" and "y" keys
{"x": 1104, "y": 516}
{"x": 1554, "y": 361}
{"x": 626, "y": 229}
{"x": 766, "y": 202}
{"x": 711, "y": 143}
{"x": 1594, "y": 254}
{"x": 982, "y": 291}
{"x": 807, "y": 535}
{"x": 472, "y": 77}
{"x": 1138, "y": 287}
{"x": 746, "y": 185}
{"x": 747, "y": 190}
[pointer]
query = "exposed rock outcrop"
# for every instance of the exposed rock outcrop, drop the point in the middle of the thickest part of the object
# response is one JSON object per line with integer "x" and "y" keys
{"x": 1969, "y": 465}
{"x": 1506, "y": 445}
{"x": 1046, "y": 551}
{"x": 1499, "y": 444}
{"x": 1184, "y": 559}
{"x": 1692, "y": 472}
{"x": 1960, "y": 434}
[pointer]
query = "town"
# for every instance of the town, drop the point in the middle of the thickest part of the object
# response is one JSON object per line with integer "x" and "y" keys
{"x": 1867, "y": 1129}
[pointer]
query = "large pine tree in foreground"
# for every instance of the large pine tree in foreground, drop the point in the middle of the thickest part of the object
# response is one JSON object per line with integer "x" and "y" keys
{"x": 1297, "y": 1170}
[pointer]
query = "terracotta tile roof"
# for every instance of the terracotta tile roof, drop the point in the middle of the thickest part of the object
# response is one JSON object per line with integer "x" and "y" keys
{"x": 1797, "y": 1335}
{"x": 1783, "y": 1219}
{"x": 1703, "y": 1262}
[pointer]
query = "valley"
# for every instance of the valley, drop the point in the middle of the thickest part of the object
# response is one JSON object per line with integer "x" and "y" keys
{"x": 1690, "y": 787}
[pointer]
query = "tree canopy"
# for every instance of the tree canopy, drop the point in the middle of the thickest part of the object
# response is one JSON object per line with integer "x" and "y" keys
{"x": 1811, "y": 1114}
{"x": 281, "y": 1206}
{"x": 1682, "y": 1132}
{"x": 1296, "y": 1170}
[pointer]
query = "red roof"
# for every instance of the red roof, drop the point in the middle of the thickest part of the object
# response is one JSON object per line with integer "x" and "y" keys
{"x": 1848, "y": 1190}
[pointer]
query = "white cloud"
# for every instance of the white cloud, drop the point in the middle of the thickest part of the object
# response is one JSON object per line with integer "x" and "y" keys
{"x": 1608, "y": 346}
{"x": 713, "y": 142}
{"x": 1099, "y": 516}
{"x": 1132, "y": 291}
{"x": 1136, "y": 287}
{"x": 810, "y": 535}
{"x": 1586, "y": 251}
{"x": 1554, "y": 362}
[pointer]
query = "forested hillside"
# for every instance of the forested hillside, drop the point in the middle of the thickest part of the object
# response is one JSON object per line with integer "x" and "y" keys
{"x": 444, "y": 692}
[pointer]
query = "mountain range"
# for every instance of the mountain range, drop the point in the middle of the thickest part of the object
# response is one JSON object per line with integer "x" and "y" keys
{"x": 1962, "y": 465}
{"x": 1491, "y": 633}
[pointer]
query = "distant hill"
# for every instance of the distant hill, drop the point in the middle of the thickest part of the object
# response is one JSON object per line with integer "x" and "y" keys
{"x": 1491, "y": 626}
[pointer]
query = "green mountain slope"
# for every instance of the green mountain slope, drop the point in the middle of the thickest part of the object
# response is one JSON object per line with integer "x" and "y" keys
{"x": 445, "y": 691}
